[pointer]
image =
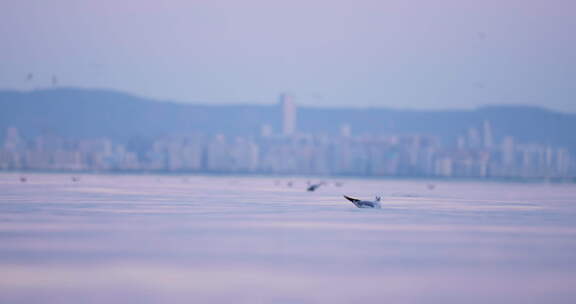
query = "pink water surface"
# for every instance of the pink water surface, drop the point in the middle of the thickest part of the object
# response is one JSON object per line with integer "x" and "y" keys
{"x": 208, "y": 239}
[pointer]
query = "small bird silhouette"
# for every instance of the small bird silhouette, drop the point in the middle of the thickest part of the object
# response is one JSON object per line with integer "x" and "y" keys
{"x": 313, "y": 187}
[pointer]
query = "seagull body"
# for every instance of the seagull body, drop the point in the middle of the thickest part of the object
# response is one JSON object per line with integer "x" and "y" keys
{"x": 365, "y": 204}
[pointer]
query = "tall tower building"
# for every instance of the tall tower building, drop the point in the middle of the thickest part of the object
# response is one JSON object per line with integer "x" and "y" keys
{"x": 487, "y": 135}
{"x": 12, "y": 140}
{"x": 345, "y": 130}
{"x": 265, "y": 130}
{"x": 288, "y": 114}
{"x": 508, "y": 151}
{"x": 474, "y": 140}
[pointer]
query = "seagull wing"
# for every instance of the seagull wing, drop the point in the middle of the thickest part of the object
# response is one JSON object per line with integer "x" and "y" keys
{"x": 354, "y": 200}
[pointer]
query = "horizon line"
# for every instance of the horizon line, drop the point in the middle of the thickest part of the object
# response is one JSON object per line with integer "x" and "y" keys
{"x": 224, "y": 104}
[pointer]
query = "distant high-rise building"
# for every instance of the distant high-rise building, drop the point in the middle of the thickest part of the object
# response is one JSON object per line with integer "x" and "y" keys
{"x": 288, "y": 114}
{"x": 345, "y": 130}
{"x": 487, "y": 135}
{"x": 12, "y": 140}
{"x": 265, "y": 130}
{"x": 508, "y": 149}
{"x": 473, "y": 138}
{"x": 461, "y": 142}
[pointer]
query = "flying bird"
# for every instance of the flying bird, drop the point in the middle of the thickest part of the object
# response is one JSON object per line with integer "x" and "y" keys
{"x": 313, "y": 187}
{"x": 365, "y": 204}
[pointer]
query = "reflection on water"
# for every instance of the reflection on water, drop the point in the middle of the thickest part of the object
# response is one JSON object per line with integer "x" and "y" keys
{"x": 205, "y": 239}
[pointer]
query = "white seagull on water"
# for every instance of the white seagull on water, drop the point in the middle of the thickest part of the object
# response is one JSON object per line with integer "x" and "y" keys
{"x": 365, "y": 204}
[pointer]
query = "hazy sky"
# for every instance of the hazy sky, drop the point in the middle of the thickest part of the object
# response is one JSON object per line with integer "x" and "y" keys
{"x": 398, "y": 53}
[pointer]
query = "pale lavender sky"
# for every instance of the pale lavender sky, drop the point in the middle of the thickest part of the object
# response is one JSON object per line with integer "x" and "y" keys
{"x": 398, "y": 53}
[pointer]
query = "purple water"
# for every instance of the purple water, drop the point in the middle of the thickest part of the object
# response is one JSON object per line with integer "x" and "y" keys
{"x": 200, "y": 239}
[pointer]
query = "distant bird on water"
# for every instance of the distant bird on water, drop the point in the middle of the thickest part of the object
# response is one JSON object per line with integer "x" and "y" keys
{"x": 23, "y": 179}
{"x": 313, "y": 187}
{"x": 365, "y": 204}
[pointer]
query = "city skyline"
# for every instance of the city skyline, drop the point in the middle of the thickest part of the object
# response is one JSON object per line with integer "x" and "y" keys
{"x": 288, "y": 151}
{"x": 79, "y": 113}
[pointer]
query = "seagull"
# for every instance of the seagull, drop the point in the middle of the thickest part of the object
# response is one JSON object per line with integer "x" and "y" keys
{"x": 365, "y": 204}
{"x": 313, "y": 187}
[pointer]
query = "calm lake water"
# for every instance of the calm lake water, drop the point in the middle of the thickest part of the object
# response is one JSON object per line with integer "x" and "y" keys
{"x": 205, "y": 239}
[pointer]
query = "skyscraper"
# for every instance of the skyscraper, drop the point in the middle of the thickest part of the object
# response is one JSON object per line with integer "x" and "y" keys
{"x": 265, "y": 130}
{"x": 12, "y": 142}
{"x": 345, "y": 130}
{"x": 487, "y": 135}
{"x": 288, "y": 114}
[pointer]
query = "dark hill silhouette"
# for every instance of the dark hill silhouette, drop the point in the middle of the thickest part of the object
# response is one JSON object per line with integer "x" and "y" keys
{"x": 95, "y": 113}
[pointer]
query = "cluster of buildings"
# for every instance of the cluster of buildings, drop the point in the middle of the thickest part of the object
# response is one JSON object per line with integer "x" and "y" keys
{"x": 475, "y": 154}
